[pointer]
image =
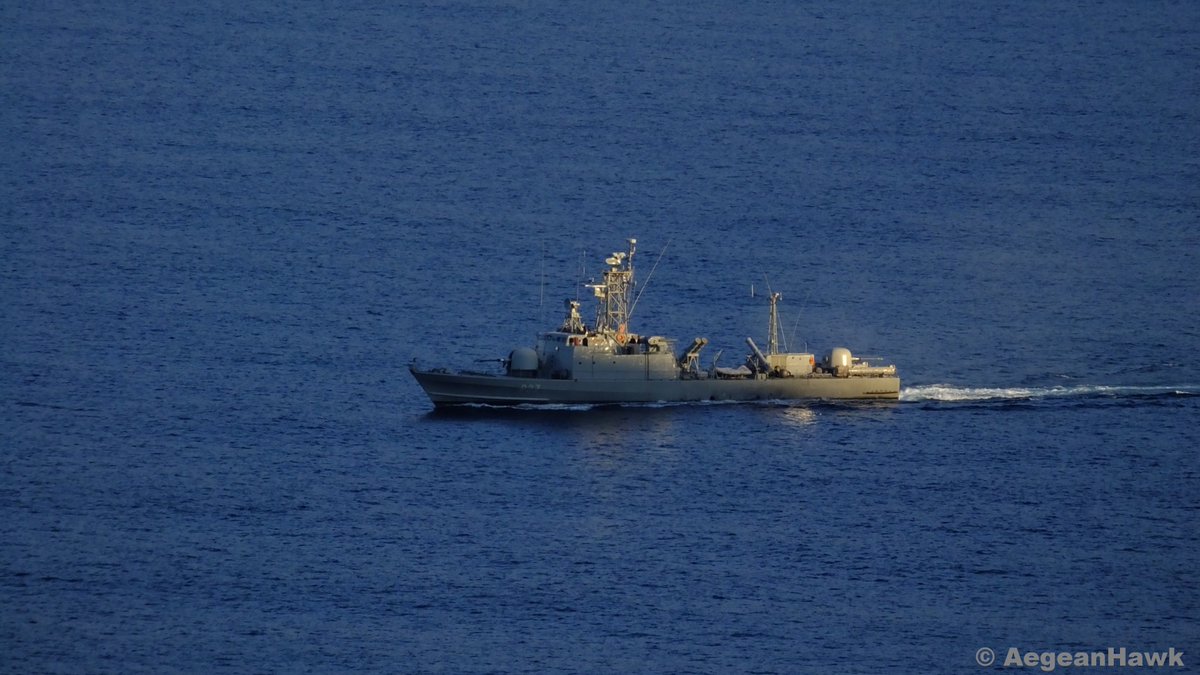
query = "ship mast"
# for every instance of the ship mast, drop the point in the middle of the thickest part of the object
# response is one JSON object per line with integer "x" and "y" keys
{"x": 614, "y": 294}
{"x": 773, "y": 327}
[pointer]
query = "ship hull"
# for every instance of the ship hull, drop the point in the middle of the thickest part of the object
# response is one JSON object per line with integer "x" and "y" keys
{"x": 447, "y": 389}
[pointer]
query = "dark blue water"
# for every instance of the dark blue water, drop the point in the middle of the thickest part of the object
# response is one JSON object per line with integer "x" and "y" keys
{"x": 227, "y": 228}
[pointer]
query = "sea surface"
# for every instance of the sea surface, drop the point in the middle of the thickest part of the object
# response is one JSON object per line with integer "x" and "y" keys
{"x": 226, "y": 228}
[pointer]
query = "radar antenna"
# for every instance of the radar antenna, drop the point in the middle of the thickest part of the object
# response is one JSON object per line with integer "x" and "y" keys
{"x": 573, "y": 322}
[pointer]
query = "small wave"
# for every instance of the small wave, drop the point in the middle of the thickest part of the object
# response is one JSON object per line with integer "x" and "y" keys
{"x": 536, "y": 407}
{"x": 614, "y": 405}
{"x": 948, "y": 392}
{"x": 569, "y": 407}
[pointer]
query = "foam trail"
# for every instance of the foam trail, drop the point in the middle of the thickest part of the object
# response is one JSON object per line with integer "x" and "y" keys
{"x": 574, "y": 407}
{"x": 949, "y": 392}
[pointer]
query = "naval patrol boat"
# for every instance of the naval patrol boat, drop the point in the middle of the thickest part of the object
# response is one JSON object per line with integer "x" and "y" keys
{"x": 607, "y": 364}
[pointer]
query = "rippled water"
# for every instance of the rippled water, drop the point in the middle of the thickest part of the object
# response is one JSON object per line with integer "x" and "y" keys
{"x": 228, "y": 229}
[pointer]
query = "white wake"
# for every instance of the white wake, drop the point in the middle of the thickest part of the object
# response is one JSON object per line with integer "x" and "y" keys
{"x": 949, "y": 392}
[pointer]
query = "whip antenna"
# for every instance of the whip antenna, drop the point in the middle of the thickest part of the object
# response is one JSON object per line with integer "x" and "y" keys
{"x": 647, "y": 282}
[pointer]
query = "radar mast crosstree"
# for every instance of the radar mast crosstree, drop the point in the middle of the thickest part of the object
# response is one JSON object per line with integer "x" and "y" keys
{"x": 615, "y": 293}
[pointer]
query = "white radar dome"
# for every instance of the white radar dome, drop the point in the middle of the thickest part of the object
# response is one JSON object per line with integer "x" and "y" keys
{"x": 839, "y": 357}
{"x": 522, "y": 359}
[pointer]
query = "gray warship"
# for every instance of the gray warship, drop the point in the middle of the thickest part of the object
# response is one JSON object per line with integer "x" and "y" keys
{"x": 607, "y": 364}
